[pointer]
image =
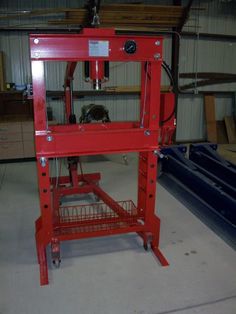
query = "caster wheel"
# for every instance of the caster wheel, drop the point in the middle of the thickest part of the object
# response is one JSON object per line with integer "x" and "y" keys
{"x": 56, "y": 263}
{"x": 125, "y": 159}
{"x": 145, "y": 246}
{"x": 97, "y": 199}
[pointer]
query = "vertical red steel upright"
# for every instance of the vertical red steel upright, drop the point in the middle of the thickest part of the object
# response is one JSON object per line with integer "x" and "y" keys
{"x": 58, "y": 222}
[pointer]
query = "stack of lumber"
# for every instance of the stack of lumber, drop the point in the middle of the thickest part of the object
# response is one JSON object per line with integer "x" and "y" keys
{"x": 120, "y": 16}
{"x": 128, "y": 15}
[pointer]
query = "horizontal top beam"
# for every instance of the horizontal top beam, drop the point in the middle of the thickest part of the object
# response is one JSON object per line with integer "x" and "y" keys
{"x": 94, "y": 45}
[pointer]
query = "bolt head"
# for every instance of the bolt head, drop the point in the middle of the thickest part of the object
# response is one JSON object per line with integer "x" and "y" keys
{"x": 43, "y": 161}
{"x": 49, "y": 138}
{"x": 36, "y": 41}
{"x": 157, "y": 43}
{"x": 157, "y": 56}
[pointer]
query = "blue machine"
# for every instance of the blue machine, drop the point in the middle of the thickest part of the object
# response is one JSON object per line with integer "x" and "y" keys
{"x": 206, "y": 177}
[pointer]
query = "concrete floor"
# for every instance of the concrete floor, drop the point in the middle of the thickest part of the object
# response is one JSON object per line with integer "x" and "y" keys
{"x": 112, "y": 275}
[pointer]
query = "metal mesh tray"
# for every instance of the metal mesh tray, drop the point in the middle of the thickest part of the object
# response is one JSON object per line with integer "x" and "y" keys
{"x": 96, "y": 211}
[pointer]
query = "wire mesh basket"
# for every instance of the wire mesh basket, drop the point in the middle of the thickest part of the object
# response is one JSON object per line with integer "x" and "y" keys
{"x": 97, "y": 216}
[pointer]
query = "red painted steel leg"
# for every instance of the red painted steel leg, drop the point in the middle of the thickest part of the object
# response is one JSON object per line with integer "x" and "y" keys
{"x": 160, "y": 256}
{"x": 42, "y": 257}
{"x": 41, "y": 253}
{"x": 37, "y": 248}
{"x": 44, "y": 223}
{"x": 155, "y": 242}
{"x": 146, "y": 203}
{"x": 43, "y": 267}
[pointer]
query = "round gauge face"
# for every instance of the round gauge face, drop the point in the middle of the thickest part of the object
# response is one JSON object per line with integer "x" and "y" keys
{"x": 130, "y": 46}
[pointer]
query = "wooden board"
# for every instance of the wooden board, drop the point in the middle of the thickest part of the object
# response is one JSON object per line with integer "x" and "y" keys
{"x": 2, "y": 72}
{"x": 222, "y": 137}
{"x": 135, "y": 15}
{"x": 142, "y": 7}
{"x": 112, "y": 15}
{"x": 209, "y": 103}
{"x": 135, "y": 88}
{"x": 39, "y": 12}
{"x": 228, "y": 151}
{"x": 231, "y": 129}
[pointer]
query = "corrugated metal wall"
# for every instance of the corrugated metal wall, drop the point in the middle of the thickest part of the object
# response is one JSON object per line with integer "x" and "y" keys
{"x": 201, "y": 55}
{"x": 195, "y": 55}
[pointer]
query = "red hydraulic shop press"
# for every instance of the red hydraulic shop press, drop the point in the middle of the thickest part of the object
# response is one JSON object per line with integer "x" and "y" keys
{"x": 58, "y": 222}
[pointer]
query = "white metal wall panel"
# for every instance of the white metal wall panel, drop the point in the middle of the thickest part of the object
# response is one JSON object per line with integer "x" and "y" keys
{"x": 218, "y": 17}
{"x": 16, "y": 52}
{"x": 208, "y": 56}
{"x": 190, "y": 118}
{"x": 224, "y": 107}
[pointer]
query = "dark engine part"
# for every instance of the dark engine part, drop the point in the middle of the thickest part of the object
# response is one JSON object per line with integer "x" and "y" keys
{"x": 94, "y": 112}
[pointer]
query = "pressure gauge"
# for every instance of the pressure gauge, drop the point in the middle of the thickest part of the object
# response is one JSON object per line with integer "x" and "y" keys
{"x": 130, "y": 46}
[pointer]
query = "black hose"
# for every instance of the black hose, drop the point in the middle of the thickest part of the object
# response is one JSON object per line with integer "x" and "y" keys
{"x": 106, "y": 69}
{"x": 166, "y": 67}
{"x": 86, "y": 69}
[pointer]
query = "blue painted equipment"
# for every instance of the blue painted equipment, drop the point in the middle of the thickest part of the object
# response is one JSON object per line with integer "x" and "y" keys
{"x": 206, "y": 176}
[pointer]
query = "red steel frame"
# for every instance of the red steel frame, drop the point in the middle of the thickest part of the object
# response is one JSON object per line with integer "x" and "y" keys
{"x": 98, "y": 138}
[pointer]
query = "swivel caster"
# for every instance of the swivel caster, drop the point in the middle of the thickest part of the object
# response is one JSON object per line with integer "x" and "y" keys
{"x": 146, "y": 246}
{"x": 55, "y": 252}
{"x": 56, "y": 262}
{"x": 125, "y": 159}
{"x": 96, "y": 198}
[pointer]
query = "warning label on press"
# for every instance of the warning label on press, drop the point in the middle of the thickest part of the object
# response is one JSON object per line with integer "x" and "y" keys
{"x": 98, "y": 48}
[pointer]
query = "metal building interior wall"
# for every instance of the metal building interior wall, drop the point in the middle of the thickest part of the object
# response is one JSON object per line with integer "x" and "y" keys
{"x": 206, "y": 55}
{"x": 196, "y": 55}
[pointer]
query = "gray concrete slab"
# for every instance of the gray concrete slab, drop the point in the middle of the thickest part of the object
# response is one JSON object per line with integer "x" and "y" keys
{"x": 112, "y": 275}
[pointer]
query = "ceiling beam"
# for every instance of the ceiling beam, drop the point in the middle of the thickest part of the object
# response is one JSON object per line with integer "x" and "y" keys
{"x": 186, "y": 14}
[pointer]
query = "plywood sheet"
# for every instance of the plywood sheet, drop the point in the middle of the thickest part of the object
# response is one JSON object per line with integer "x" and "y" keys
{"x": 209, "y": 103}
{"x": 228, "y": 151}
{"x": 231, "y": 129}
{"x": 222, "y": 137}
